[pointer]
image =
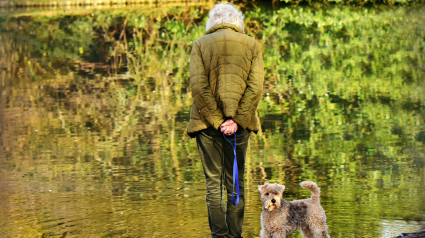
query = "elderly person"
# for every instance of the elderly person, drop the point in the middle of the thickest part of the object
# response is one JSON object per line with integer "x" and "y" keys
{"x": 226, "y": 77}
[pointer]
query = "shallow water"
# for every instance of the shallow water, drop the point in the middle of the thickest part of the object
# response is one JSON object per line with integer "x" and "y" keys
{"x": 94, "y": 107}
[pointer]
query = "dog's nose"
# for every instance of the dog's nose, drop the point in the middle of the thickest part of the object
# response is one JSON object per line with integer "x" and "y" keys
{"x": 273, "y": 201}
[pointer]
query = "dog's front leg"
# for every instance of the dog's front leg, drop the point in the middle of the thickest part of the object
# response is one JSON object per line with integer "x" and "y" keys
{"x": 279, "y": 234}
{"x": 265, "y": 234}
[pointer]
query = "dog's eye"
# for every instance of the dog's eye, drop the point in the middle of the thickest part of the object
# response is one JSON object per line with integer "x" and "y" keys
{"x": 267, "y": 194}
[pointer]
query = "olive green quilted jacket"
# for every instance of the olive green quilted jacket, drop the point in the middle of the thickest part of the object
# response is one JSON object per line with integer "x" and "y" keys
{"x": 226, "y": 78}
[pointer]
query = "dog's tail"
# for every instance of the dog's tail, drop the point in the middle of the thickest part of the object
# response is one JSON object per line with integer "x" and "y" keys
{"x": 315, "y": 190}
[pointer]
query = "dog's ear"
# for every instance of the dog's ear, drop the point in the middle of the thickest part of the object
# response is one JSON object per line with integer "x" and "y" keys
{"x": 262, "y": 188}
{"x": 280, "y": 188}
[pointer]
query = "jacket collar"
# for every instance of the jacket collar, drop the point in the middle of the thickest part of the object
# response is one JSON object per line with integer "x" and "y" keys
{"x": 224, "y": 26}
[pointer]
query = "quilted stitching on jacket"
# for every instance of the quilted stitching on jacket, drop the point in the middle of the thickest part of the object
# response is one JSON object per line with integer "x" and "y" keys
{"x": 226, "y": 78}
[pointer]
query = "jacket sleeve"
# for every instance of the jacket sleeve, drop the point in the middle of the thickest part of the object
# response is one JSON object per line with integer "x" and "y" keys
{"x": 253, "y": 91}
{"x": 201, "y": 91}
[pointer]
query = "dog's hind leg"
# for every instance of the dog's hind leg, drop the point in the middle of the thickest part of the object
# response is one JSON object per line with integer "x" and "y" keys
{"x": 321, "y": 234}
{"x": 306, "y": 232}
{"x": 320, "y": 231}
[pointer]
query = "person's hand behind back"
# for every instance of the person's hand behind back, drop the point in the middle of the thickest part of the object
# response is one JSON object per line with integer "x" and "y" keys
{"x": 229, "y": 127}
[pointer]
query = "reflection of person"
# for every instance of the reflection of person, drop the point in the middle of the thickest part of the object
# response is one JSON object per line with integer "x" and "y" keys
{"x": 226, "y": 77}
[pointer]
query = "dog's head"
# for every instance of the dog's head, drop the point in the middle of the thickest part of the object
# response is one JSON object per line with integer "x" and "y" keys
{"x": 271, "y": 195}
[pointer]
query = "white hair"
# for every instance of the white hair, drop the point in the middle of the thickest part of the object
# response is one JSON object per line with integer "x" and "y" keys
{"x": 225, "y": 13}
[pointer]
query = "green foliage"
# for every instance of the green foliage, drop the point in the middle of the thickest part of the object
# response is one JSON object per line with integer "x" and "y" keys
{"x": 352, "y": 2}
{"x": 343, "y": 105}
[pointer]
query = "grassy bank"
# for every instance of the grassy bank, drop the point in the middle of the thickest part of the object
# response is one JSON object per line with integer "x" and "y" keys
{"x": 62, "y": 3}
{"x": 96, "y": 3}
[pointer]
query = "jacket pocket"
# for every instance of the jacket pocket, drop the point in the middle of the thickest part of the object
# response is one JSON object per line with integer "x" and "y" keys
{"x": 195, "y": 113}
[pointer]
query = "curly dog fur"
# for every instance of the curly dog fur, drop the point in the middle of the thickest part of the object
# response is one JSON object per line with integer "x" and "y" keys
{"x": 280, "y": 217}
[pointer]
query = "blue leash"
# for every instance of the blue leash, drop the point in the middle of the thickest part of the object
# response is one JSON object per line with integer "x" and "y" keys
{"x": 235, "y": 172}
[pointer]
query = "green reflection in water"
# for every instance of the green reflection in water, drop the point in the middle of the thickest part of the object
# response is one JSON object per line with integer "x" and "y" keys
{"x": 94, "y": 107}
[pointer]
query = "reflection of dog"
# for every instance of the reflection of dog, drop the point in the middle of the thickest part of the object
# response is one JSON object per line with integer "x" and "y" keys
{"x": 280, "y": 217}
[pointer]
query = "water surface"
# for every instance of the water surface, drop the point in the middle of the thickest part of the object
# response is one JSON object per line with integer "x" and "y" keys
{"x": 94, "y": 107}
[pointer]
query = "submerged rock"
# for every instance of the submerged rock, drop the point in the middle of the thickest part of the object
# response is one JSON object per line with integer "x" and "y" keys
{"x": 412, "y": 234}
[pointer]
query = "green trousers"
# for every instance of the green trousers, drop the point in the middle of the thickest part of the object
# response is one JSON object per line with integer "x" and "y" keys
{"x": 217, "y": 157}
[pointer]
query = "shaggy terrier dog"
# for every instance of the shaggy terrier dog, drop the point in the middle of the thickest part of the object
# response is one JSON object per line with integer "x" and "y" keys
{"x": 280, "y": 217}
